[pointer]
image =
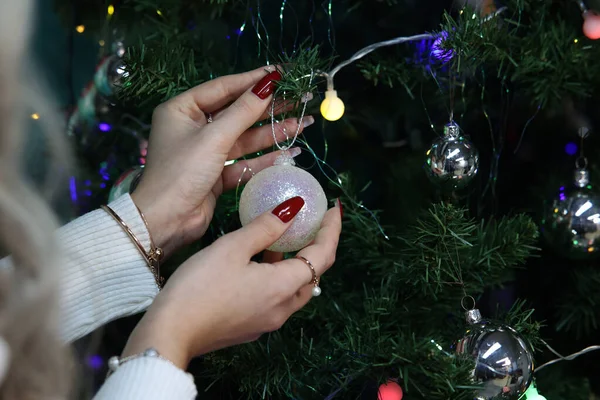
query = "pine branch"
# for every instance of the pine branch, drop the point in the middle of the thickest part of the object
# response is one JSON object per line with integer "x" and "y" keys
{"x": 298, "y": 68}
{"x": 520, "y": 318}
{"x": 578, "y": 311}
{"x": 537, "y": 49}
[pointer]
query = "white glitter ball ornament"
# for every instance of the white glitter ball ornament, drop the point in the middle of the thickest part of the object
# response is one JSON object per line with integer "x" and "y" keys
{"x": 274, "y": 185}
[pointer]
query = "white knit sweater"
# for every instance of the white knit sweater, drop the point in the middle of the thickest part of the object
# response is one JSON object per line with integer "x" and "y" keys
{"x": 106, "y": 278}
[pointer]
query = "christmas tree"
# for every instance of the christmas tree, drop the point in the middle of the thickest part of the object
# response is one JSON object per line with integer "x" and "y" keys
{"x": 512, "y": 226}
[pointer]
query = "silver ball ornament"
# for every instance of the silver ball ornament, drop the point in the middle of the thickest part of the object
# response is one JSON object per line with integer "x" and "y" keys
{"x": 110, "y": 75}
{"x": 126, "y": 183}
{"x": 571, "y": 222}
{"x": 274, "y": 185}
{"x": 452, "y": 160}
{"x": 503, "y": 359}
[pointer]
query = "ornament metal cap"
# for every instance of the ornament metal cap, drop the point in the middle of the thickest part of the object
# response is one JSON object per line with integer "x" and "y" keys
{"x": 582, "y": 177}
{"x": 451, "y": 130}
{"x": 473, "y": 316}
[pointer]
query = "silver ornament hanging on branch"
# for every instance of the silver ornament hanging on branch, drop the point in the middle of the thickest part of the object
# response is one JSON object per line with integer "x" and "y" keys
{"x": 452, "y": 160}
{"x": 503, "y": 359}
{"x": 109, "y": 76}
{"x": 571, "y": 222}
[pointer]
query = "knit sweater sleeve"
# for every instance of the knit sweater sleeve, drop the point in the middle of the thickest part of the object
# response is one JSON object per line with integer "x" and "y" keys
{"x": 148, "y": 378}
{"x": 104, "y": 276}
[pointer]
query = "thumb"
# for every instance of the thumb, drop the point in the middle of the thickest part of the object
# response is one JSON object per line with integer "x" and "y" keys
{"x": 267, "y": 228}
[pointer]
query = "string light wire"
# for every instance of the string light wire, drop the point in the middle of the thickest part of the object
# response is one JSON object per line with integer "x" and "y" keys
{"x": 570, "y": 357}
{"x": 363, "y": 52}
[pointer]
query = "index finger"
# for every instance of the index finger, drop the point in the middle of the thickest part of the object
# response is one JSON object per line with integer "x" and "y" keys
{"x": 217, "y": 93}
{"x": 242, "y": 114}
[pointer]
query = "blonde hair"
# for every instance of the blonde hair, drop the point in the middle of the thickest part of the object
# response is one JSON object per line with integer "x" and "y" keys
{"x": 39, "y": 366}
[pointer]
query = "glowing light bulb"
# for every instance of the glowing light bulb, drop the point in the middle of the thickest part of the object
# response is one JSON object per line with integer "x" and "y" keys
{"x": 35, "y": 116}
{"x": 532, "y": 393}
{"x": 159, "y": 12}
{"x": 111, "y": 10}
{"x": 332, "y": 107}
{"x": 390, "y": 391}
{"x": 591, "y": 25}
{"x": 80, "y": 28}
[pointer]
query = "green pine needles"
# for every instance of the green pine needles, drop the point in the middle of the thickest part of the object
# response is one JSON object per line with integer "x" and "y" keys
{"x": 391, "y": 310}
{"x": 533, "y": 47}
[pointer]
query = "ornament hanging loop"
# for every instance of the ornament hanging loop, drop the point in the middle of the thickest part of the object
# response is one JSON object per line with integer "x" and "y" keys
{"x": 465, "y": 301}
{"x": 581, "y": 163}
{"x": 274, "y": 121}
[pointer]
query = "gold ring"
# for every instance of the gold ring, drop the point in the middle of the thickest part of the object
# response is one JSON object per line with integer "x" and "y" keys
{"x": 316, "y": 290}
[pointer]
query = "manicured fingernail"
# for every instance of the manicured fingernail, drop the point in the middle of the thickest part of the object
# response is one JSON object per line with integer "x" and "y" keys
{"x": 295, "y": 151}
{"x": 287, "y": 210}
{"x": 307, "y": 121}
{"x": 307, "y": 97}
{"x": 338, "y": 204}
{"x": 265, "y": 87}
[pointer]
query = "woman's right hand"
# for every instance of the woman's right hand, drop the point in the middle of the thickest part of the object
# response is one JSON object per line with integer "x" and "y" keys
{"x": 219, "y": 298}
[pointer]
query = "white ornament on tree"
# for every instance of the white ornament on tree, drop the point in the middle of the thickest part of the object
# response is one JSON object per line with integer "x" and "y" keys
{"x": 274, "y": 185}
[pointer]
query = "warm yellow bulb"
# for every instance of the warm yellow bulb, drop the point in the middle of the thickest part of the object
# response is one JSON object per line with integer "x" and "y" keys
{"x": 111, "y": 10}
{"x": 80, "y": 28}
{"x": 332, "y": 107}
{"x": 35, "y": 116}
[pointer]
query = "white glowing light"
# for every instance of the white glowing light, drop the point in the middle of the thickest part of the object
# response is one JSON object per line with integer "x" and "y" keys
{"x": 586, "y": 206}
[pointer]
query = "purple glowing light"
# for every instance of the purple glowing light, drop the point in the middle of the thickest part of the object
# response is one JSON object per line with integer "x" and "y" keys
{"x": 88, "y": 193}
{"x": 562, "y": 189}
{"x": 104, "y": 127}
{"x": 102, "y": 185}
{"x": 95, "y": 362}
{"x": 563, "y": 197}
{"x": 438, "y": 51}
{"x": 571, "y": 148}
{"x": 73, "y": 188}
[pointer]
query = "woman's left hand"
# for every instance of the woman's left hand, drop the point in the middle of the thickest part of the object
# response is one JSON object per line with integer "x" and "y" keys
{"x": 185, "y": 171}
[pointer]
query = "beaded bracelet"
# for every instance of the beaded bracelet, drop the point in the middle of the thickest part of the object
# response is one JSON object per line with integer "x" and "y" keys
{"x": 156, "y": 253}
{"x": 115, "y": 362}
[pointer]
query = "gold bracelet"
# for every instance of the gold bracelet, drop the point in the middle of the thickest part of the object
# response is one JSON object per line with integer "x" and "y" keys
{"x": 156, "y": 253}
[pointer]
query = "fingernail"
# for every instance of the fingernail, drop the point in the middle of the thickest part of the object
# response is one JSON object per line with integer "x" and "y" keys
{"x": 287, "y": 210}
{"x": 295, "y": 151}
{"x": 307, "y": 97}
{"x": 338, "y": 204}
{"x": 307, "y": 121}
{"x": 265, "y": 87}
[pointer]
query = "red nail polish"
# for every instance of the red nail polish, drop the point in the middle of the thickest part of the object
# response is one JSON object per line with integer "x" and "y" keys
{"x": 341, "y": 207}
{"x": 287, "y": 210}
{"x": 265, "y": 87}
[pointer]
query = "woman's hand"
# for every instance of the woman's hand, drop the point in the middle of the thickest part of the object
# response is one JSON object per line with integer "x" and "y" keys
{"x": 219, "y": 298}
{"x": 185, "y": 171}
